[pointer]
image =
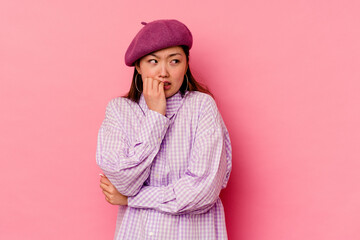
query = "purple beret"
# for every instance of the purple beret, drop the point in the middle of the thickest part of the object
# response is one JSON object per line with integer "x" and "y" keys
{"x": 157, "y": 35}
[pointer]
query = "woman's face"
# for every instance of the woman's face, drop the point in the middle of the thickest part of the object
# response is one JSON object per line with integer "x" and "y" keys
{"x": 168, "y": 65}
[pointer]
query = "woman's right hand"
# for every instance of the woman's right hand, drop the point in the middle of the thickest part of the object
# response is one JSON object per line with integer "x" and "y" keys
{"x": 112, "y": 195}
{"x": 153, "y": 90}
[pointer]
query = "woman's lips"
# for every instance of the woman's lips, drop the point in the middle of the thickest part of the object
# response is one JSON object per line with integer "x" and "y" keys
{"x": 167, "y": 85}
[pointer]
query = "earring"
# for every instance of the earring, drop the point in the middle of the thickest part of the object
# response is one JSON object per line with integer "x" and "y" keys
{"x": 136, "y": 78}
{"x": 187, "y": 82}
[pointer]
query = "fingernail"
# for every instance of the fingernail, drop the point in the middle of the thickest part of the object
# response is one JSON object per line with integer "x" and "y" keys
{"x": 101, "y": 174}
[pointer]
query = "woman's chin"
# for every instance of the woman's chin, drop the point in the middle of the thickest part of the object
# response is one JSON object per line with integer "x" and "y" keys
{"x": 169, "y": 94}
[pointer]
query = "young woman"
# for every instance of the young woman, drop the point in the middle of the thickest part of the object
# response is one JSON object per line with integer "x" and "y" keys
{"x": 164, "y": 148}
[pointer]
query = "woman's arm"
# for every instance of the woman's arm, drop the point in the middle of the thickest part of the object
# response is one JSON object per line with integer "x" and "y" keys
{"x": 127, "y": 164}
{"x": 207, "y": 173}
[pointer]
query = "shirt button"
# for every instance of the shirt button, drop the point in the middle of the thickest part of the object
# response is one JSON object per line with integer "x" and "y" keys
{"x": 151, "y": 234}
{"x": 159, "y": 139}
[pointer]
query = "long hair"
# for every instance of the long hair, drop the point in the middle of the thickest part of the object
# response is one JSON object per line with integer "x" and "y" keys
{"x": 190, "y": 85}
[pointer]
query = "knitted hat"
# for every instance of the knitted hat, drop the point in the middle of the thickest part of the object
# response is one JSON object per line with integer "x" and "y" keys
{"x": 157, "y": 35}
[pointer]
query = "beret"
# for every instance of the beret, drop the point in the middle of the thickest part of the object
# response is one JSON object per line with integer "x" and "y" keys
{"x": 157, "y": 35}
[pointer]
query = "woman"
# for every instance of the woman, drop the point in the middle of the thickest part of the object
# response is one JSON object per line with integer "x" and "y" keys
{"x": 164, "y": 148}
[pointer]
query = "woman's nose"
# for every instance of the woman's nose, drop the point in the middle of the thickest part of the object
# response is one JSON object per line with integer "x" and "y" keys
{"x": 163, "y": 71}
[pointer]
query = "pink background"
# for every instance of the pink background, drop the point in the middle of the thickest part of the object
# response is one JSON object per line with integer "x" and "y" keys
{"x": 285, "y": 75}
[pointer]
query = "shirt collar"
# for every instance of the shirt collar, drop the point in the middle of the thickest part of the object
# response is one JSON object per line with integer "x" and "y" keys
{"x": 173, "y": 104}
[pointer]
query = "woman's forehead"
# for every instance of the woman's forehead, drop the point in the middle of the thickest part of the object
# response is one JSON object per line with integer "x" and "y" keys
{"x": 167, "y": 51}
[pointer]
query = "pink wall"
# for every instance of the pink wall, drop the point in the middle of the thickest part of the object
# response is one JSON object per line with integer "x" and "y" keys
{"x": 286, "y": 78}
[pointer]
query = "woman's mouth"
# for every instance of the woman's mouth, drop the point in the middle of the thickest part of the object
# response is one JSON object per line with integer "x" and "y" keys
{"x": 167, "y": 85}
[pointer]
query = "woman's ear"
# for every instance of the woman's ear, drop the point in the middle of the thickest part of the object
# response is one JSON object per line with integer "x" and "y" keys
{"x": 137, "y": 66}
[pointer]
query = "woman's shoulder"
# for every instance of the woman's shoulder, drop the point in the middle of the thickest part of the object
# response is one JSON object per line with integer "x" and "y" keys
{"x": 120, "y": 101}
{"x": 120, "y": 106}
{"x": 202, "y": 100}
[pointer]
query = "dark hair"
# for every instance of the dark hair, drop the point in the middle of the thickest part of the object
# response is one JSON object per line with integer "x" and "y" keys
{"x": 193, "y": 85}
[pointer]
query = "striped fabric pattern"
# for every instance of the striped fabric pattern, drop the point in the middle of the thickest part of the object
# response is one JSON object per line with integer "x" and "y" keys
{"x": 172, "y": 167}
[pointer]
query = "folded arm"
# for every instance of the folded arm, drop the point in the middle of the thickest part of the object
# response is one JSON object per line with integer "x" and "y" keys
{"x": 207, "y": 173}
{"x": 127, "y": 164}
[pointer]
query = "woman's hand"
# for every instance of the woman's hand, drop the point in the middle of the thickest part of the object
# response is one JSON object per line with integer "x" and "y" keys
{"x": 112, "y": 195}
{"x": 153, "y": 90}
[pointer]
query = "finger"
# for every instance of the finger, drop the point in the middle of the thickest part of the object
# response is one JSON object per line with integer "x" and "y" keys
{"x": 161, "y": 88}
{"x": 110, "y": 190}
{"x": 105, "y": 187}
{"x": 146, "y": 85}
{"x": 106, "y": 193}
{"x": 155, "y": 85}
{"x": 108, "y": 200}
{"x": 107, "y": 197}
{"x": 150, "y": 85}
{"x": 105, "y": 181}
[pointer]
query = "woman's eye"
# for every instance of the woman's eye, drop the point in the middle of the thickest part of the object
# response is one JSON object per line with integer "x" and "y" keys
{"x": 175, "y": 61}
{"x": 152, "y": 61}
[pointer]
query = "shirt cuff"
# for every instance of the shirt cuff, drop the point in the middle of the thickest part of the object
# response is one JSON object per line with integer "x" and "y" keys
{"x": 148, "y": 197}
{"x": 152, "y": 197}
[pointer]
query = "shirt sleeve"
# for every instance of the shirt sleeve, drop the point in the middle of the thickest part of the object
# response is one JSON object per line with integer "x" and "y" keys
{"x": 207, "y": 173}
{"x": 127, "y": 164}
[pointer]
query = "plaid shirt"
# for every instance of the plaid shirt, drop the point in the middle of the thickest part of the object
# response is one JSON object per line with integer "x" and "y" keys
{"x": 172, "y": 167}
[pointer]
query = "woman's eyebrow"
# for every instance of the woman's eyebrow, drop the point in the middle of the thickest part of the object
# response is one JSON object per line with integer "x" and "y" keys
{"x": 173, "y": 54}
{"x": 152, "y": 54}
